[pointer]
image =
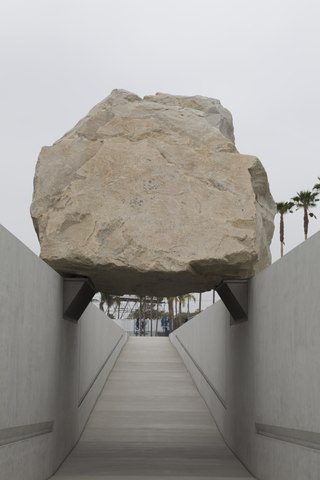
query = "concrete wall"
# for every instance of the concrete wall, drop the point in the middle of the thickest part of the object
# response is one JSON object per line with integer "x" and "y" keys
{"x": 261, "y": 378}
{"x": 51, "y": 370}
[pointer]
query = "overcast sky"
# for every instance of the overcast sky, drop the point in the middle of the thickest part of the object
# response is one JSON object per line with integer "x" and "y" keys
{"x": 259, "y": 58}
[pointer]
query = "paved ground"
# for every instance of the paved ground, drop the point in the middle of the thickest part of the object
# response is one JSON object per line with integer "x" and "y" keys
{"x": 150, "y": 423}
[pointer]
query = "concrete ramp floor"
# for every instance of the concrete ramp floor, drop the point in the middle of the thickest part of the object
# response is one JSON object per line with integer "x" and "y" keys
{"x": 150, "y": 423}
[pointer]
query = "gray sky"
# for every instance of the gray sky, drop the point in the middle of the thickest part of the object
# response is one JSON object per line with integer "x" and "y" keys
{"x": 260, "y": 58}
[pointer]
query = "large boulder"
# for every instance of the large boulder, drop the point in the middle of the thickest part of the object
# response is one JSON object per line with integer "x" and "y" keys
{"x": 150, "y": 196}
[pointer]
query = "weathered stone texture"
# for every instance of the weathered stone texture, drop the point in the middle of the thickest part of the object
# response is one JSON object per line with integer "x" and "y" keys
{"x": 150, "y": 196}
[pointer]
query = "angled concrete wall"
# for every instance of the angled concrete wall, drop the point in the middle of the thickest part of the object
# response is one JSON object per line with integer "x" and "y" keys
{"x": 261, "y": 378}
{"x": 51, "y": 370}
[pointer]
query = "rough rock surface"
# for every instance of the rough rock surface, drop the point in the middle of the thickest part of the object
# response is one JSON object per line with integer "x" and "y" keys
{"x": 150, "y": 196}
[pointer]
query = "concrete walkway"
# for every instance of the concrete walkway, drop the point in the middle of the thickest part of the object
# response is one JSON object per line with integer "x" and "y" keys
{"x": 150, "y": 422}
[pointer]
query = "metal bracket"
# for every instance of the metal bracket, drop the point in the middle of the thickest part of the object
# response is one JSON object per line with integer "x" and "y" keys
{"x": 77, "y": 294}
{"x": 234, "y": 294}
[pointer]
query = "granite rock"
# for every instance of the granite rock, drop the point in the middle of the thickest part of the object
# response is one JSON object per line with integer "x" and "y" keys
{"x": 150, "y": 196}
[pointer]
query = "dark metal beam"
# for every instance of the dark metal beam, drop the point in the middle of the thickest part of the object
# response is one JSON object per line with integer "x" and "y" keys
{"x": 234, "y": 294}
{"x": 77, "y": 294}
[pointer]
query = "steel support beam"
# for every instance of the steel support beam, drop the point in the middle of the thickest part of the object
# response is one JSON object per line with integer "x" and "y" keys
{"x": 234, "y": 294}
{"x": 77, "y": 294}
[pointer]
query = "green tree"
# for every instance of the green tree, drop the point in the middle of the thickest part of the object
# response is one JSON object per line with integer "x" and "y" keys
{"x": 317, "y": 186}
{"x": 282, "y": 209}
{"x": 182, "y": 301}
{"x": 149, "y": 312}
{"x": 200, "y": 302}
{"x": 175, "y": 305}
{"x": 108, "y": 301}
{"x": 100, "y": 301}
{"x": 306, "y": 200}
{"x": 170, "y": 311}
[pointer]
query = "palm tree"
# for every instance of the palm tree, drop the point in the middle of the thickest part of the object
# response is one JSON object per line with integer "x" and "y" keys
{"x": 282, "y": 209}
{"x": 317, "y": 186}
{"x": 176, "y": 307}
{"x": 306, "y": 200}
{"x": 200, "y": 301}
{"x": 189, "y": 296}
{"x": 182, "y": 301}
{"x": 102, "y": 301}
{"x": 171, "y": 313}
{"x": 108, "y": 300}
{"x": 158, "y": 301}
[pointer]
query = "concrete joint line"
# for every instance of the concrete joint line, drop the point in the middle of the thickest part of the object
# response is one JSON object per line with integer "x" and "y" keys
{"x": 24, "y": 432}
{"x": 217, "y": 394}
{"x": 100, "y": 370}
{"x": 304, "y": 438}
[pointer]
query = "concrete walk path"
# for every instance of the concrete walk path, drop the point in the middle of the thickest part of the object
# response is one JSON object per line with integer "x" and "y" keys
{"x": 150, "y": 423}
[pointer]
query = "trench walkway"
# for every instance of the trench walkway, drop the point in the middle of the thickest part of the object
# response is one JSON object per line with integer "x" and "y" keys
{"x": 150, "y": 422}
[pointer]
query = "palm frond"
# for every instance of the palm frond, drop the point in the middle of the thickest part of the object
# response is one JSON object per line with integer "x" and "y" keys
{"x": 306, "y": 199}
{"x": 316, "y": 186}
{"x": 285, "y": 207}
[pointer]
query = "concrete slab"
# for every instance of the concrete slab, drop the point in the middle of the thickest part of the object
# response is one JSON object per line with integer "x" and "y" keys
{"x": 151, "y": 422}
